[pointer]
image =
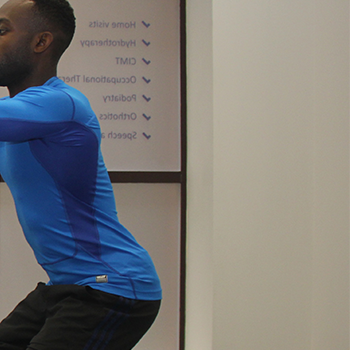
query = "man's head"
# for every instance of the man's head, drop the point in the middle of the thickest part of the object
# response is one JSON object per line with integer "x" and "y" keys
{"x": 57, "y": 17}
{"x": 33, "y": 36}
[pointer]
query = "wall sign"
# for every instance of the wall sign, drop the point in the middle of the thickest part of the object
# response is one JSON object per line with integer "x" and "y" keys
{"x": 125, "y": 58}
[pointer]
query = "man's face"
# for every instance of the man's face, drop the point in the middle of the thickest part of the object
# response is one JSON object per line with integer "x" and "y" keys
{"x": 16, "y": 56}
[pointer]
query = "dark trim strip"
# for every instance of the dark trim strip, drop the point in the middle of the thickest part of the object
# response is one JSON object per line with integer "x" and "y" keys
{"x": 183, "y": 227}
{"x": 142, "y": 177}
{"x": 145, "y": 177}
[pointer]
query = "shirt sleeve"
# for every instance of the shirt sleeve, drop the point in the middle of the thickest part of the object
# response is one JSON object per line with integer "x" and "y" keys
{"x": 34, "y": 113}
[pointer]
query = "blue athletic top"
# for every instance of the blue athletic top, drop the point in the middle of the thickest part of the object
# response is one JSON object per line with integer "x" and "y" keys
{"x": 51, "y": 160}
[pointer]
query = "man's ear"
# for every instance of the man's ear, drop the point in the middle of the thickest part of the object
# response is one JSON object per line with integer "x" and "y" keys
{"x": 42, "y": 41}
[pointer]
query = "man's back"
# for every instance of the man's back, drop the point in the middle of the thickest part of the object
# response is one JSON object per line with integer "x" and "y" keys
{"x": 53, "y": 165}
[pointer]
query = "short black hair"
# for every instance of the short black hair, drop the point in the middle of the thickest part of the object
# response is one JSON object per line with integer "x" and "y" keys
{"x": 56, "y": 15}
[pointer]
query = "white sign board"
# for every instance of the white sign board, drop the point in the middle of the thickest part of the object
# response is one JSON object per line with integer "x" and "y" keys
{"x": 125, "y": 58}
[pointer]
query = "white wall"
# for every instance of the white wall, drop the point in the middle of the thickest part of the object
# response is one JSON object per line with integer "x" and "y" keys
{"x": 330, "y": 294}
{"x": 199, "y": 284}
{"x": 268, "y": 214}
{"x": 273, "y": 222}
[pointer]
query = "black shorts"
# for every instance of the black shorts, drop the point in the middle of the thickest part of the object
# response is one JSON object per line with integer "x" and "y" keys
{"x": 72, "y": 317}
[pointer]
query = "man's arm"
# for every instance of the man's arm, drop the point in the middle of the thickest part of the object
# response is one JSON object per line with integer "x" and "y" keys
{"x": 33, "y": 114}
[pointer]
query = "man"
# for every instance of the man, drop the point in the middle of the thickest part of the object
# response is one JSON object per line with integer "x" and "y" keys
{"x": 104, "y": 292}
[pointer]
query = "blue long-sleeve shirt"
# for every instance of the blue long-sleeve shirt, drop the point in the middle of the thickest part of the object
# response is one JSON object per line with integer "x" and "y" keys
{"x": 51, "y": 160}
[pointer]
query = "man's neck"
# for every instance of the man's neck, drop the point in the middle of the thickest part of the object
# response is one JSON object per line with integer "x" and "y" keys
{"x": 37, "y": 79}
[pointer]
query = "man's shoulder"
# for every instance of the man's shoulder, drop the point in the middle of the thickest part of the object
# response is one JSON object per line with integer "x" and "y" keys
{"x": 55, "y": 100}
{"x": 52, "y": 94}
{"x": 56, "y": 85}
{"x": 42, "y": 91}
